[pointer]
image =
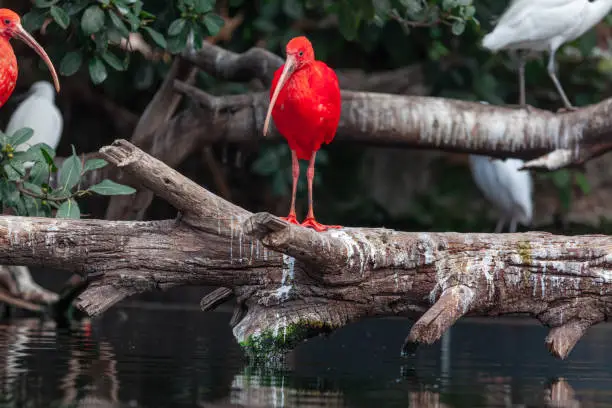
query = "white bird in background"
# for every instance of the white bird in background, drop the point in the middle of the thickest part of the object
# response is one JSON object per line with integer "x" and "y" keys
{"x": 544, "y": 25}
{"x": 505, "y": 186}
{"x": 38, "y": 112}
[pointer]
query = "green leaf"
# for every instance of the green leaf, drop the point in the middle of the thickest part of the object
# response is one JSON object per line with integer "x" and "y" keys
{"x": 348, "y": 21}
{"x": 11, "y": 173}
{"x": 118, "y": 23}
{"x": 69, "y": 209}
{"x": 70, "y": 173}
{"x": 458, "y": 27}
{"x": 92, "y": 20}
{"x": 39, "y": 173}
{"x": 177, "y": 26}
{"x": 71, "y": 62}
{"x": 204, "y": 6}
{"x": 34, "y": 20}
{"x": 213, "y": 23}
{"x": 109, "y": 187}
{"x": 178, "y": 42}
{"x": 33, "y": 188}
{"x": 113, "y": 61}
{"x": 61, "y": 18}
{"x": 94, "y": 164}
{"x": 97, "y": 70}
{"x": 157, "y": 37}
{"x": 44, "y": 3}
{"x": 32, "y": 206}
{"x": 21, "y": 136}
{"x": 198, "y": 36}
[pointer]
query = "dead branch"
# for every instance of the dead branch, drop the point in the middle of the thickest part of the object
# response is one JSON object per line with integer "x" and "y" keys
{"x": 417, "y": 122}
{"x": 427, "y": 123}
{"x": 292, "y": 283}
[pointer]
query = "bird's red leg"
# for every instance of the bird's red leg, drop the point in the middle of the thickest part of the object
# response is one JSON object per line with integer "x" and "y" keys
{"x": 310, "y": 218}
{"x": 295, "y": 171}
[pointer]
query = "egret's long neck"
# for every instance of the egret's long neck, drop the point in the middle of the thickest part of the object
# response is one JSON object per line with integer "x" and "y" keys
{"x": 8, "y": 70}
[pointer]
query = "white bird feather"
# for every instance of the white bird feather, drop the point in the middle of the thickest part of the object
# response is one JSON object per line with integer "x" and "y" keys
{"x": 38, "y": 112}
{"x": 506, "y": 187}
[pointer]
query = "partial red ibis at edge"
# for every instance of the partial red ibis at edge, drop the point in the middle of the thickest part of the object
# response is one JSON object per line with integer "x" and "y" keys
{"x": 305, "y": 105}
{"x": 10, "y": 27}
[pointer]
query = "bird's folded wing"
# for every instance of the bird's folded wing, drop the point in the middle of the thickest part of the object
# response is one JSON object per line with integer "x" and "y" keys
{"x": 329, "y": 104}
{"x": 536, "y": 20}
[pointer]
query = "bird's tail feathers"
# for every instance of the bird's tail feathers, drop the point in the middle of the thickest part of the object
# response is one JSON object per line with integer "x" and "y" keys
{"x": 494, "y": 41}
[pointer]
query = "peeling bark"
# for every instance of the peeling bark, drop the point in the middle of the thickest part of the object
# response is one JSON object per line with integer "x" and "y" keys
{"x": 292, "y": 283}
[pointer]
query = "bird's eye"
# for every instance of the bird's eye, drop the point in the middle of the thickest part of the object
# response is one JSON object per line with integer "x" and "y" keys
{"x": 301, "y": 53}
{"x": 7, "y": 21}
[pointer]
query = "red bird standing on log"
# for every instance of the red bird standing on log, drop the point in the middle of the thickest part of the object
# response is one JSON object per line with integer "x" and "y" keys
{"x": 10, "y": 27}
{"x": 305, "y": 105}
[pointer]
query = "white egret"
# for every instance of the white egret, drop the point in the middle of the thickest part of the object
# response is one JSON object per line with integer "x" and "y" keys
{"x": 38, "y": 112}
{"x": 544, "y": 25}
{"x": 505, "y": 186}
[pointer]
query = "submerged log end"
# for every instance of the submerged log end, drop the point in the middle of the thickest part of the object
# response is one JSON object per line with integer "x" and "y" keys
{"x": 95, "y": 300}
{"x": 453, "y": 303}
{"x": 561, "y": 340}
{"x": 215, "y": 298}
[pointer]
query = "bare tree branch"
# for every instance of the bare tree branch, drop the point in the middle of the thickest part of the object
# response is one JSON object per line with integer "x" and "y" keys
{"x": 291, "y": 283}
{"x": 427, "y": 123}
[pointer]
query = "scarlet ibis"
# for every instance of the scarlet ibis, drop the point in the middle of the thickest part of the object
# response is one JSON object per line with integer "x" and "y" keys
{"x": 305, "y": 105}
{"x": 544, "y": 25}
{"x": 10, "y": 26}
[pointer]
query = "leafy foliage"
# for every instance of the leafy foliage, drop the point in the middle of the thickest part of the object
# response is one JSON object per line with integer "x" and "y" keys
{"x": 92, "y": 30}
{"x": 32, "y": 185}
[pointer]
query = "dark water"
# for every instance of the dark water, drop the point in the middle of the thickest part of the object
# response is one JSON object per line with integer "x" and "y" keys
{"x": 134, "y": 357}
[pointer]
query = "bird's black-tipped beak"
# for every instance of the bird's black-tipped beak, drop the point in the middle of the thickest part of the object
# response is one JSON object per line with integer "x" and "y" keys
{"x": 24, "y": 36}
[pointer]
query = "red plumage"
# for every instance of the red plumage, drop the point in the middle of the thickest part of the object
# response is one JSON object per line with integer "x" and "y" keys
{"x": 10, "y": 27}
{"x": 308, "y": 107}
{"x": 305, "y": 104}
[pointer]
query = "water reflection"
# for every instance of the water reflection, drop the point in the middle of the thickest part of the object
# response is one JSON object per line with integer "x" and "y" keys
{"x": 159, "y": 358}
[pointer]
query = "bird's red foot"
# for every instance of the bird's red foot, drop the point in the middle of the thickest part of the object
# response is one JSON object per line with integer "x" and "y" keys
{"x": 310, "y": 222}
{"x": 290, "y": 219}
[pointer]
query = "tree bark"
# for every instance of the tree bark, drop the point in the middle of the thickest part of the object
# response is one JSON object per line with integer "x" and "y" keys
{"x": 292, "y": 283}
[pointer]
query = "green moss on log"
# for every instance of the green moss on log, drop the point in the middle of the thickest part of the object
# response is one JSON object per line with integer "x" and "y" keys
{"x": 272, "y": 345}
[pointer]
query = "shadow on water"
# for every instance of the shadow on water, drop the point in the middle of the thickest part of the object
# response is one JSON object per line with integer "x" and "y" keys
{"x": 148, "y": 357}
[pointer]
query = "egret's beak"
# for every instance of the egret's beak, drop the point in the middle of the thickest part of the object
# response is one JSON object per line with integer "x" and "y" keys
{"x": 24, "y": 36}
{"x": 290, "y": 65}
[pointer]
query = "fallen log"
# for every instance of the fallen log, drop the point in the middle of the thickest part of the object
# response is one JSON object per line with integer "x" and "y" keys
{"x": 292, "y": 283}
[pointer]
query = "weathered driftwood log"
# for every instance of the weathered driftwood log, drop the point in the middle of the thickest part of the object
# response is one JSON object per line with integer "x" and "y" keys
{"x": 292, "y": 283}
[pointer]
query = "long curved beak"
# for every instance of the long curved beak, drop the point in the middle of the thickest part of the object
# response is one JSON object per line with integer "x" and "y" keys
{"x": 287, "y": 71}
{"x": 24, "y": 36}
